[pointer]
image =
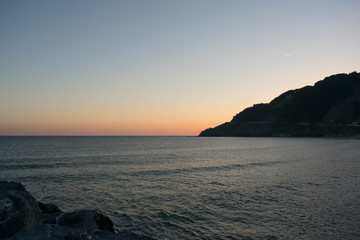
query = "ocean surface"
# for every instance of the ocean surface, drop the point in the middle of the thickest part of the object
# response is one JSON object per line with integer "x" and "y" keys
{"x": 197, "y": 188}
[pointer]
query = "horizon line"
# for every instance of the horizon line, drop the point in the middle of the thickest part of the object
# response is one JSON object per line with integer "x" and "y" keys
{"x": 98, "y": 135}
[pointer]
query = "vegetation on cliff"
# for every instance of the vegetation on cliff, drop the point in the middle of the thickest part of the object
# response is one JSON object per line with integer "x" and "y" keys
{"x": 329, "y": 108}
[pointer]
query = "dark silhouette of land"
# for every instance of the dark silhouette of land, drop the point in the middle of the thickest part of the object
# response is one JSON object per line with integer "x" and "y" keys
{"x": 329, "y": 108}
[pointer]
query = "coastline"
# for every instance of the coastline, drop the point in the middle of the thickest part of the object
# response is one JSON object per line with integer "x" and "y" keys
{"x": 270, "y": 129}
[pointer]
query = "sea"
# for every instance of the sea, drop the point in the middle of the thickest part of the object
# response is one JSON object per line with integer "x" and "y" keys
{"x": 197, "y": 187}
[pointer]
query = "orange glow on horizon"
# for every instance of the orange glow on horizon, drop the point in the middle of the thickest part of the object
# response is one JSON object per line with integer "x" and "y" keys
{"x": 31, "y": 130}
{"x": 97, "y": 121}
{"x": 106, "y": 128}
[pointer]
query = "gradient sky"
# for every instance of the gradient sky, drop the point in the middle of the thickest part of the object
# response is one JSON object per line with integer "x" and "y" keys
{"x": 160, "y": 67}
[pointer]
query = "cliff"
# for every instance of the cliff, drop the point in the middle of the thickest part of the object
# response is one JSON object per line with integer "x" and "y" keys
{"x": 329, "y": 108}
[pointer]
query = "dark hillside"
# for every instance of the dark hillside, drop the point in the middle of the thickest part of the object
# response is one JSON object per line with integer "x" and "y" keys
{"x": 331, "y": 102}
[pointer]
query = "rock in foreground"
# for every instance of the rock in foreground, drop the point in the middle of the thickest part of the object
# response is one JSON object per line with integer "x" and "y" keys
{"x": 22, "y": 218}
{"x": 18, "y": 209}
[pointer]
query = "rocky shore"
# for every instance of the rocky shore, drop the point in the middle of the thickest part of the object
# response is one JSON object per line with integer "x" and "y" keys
{"x": 23, "y": 218}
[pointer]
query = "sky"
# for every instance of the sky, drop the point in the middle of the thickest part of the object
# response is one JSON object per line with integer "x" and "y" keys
{"x": 161, "y": 67}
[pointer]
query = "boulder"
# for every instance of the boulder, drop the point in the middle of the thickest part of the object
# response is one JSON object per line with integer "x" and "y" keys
{"x": 86, "y": 220}
{"x": 50, "y": 232}
{"x": 18, "y": 209}
{"x": 49, "y": 218}
{"x": 49, "y": 212}
{"x": 48, "y": 208}
{"x": 56, "y": 232}
{"x": 23, "y": 218}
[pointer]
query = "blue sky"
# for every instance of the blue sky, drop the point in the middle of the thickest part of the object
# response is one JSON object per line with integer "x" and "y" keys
{"x": 161, "y": 67}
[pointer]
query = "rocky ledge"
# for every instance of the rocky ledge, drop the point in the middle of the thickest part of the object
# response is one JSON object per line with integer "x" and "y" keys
{"x": 22, "y": 217}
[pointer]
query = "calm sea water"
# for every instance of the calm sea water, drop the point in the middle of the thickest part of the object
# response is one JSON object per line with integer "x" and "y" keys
{"x": 197, "y": 188}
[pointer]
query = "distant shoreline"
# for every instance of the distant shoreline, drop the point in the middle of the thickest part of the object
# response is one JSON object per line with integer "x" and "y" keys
{"x": 268, "y": 129}
{"x": 329, "y": 108}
